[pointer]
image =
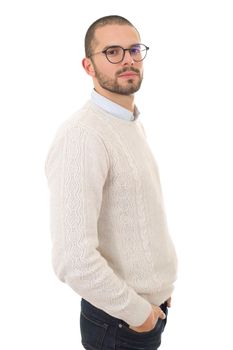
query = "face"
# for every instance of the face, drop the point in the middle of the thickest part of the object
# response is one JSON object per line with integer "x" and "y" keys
{"x": 125, "y": 77}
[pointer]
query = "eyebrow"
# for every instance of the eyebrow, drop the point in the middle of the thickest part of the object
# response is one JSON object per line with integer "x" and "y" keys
{"x": 116, "y": 45}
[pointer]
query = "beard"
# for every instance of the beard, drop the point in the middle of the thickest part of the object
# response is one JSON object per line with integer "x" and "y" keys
{"x": 112, "y": 85}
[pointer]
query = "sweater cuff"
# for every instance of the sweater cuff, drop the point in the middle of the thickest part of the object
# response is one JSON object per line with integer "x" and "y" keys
{"x": 138, "y": 311}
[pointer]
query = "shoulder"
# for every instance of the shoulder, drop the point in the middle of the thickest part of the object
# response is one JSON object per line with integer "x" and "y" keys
{"x": 85, "y": 119}
{"x": 76, "y": 131}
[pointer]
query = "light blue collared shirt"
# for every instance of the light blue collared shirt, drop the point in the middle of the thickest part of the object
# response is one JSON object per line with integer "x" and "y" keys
{"x": 113, "y": 108}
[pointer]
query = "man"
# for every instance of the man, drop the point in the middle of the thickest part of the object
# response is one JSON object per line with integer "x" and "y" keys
{"x": 109, "y": 232}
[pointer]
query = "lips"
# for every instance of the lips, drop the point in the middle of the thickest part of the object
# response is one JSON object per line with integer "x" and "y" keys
{"x": 128, "y": 75}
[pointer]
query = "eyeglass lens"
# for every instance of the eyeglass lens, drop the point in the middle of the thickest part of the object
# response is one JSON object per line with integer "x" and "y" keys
{"x": 115, "y": 54}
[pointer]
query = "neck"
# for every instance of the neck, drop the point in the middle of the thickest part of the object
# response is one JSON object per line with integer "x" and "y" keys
{"x": 126, "y": 101}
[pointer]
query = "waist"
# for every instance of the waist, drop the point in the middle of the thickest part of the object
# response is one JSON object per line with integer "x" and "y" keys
{"x": 89, "y": 309}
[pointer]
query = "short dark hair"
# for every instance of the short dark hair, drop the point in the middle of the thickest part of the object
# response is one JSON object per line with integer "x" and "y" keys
{"x": 101, "y": 22}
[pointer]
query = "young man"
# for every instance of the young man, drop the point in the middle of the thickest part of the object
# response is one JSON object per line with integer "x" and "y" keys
{"x": 109, "y": 232}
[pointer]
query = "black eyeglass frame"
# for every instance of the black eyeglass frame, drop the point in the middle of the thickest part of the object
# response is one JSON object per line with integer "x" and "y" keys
{"x": 114, "y": 46}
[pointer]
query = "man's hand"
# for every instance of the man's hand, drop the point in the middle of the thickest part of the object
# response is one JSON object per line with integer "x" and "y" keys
{"x": 151, "y": 321}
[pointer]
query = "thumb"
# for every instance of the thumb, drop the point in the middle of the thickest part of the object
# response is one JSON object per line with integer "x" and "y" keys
{"x": 162, "y": 315}
{"x": 158, "y": 312}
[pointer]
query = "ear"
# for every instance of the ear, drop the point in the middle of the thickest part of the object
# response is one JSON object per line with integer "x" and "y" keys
{"x": 88, "y": 66}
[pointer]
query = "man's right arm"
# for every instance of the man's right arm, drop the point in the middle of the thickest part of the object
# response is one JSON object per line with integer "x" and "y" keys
{"x": 77, "y": 167}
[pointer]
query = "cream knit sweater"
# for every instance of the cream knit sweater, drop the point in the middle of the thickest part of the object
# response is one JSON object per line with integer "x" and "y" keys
{"x": 108, "y": 226}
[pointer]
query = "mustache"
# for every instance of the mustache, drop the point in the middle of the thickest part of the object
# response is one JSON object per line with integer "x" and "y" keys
{"x": 128, "y": 69}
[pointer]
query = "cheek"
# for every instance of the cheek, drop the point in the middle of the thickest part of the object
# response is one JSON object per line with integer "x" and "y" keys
{"x": 106, "y": 69}
{"x": 110, "y": 71}
{"x": 139, "y": 65}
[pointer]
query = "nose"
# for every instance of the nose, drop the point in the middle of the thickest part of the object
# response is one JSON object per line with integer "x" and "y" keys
{"x": 127, "y": 59}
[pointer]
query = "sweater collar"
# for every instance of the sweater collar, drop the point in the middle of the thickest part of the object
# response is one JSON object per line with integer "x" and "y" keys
{"x": 114, "y": 108}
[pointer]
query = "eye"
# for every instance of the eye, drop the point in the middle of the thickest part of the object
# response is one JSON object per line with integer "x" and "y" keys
{"x": 113, "y": 51}
{"x": 135, "y": 50}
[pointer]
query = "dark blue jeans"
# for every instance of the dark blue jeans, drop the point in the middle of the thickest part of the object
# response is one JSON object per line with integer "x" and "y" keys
{"x": 101, "y": 331}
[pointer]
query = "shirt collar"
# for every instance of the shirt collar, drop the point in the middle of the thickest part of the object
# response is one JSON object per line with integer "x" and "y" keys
{"x": 114, "y": 108}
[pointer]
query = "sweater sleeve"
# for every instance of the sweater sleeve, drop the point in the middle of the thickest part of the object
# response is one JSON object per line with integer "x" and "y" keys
{"x": 76, "y": 168}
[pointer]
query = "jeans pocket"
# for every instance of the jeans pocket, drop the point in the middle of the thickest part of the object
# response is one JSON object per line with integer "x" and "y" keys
{"x": 142, "y": 334}
{"x": 128, "y": 339}
{"x": 93, "y": 331}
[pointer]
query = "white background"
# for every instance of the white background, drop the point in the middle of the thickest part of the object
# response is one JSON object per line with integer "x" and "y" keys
{"x": 186, "y": 109}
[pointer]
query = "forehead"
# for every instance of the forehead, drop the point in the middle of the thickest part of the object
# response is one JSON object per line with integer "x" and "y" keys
{"x": 114, "y": 34}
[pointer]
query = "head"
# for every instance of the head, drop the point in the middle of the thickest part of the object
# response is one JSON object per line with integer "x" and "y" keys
{"x": 114, "y": 70}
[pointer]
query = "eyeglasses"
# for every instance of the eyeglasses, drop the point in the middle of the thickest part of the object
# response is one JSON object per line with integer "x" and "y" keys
{"x": 115, "y": 54}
